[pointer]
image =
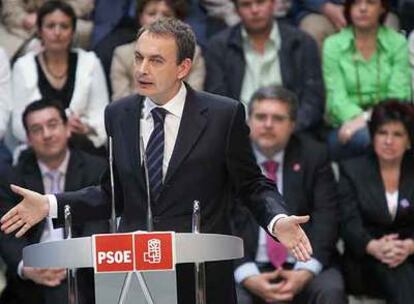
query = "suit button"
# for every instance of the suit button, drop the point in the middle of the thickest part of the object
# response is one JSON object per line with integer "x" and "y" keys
{"x": 156, "y": 219}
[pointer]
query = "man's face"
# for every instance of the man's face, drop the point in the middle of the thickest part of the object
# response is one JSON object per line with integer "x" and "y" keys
{"x": 157, "y": 73}
{"x": 270, "y": 125}
{"x": 47, "y": 134}
{"x": 256, "y": 15}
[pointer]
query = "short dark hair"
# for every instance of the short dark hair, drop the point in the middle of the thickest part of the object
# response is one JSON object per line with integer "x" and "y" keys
{"x": 392, "y": 110}
{"x": 347, "y": 10}
{"x": 277, "y": 93}
{"x": 54, "y": 5}
{"x": 40, "y": 105}
{"x": 179, "y": 7}
{"x": 182, "y": 33}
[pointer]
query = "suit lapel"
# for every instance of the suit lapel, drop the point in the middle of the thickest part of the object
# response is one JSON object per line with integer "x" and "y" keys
{"x": 406, "y": 188}
{"x": 193, "y": 122}
{"x": 292, "y": 175}
{"x": 74, "y": 176}
{"x": 32, "y": 179}
{"x": 131, "y": 133}
{"x": 375, "y": 187}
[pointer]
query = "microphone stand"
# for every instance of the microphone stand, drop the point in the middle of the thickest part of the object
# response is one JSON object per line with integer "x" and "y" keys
{"x": 150, "y": 227}
{"x": 73, "y": 295}
{"x": 111, "y": 176}
{"x": 200, "y": 270}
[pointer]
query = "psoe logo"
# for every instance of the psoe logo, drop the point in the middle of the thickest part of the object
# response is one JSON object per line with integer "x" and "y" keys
{"x": 153, "y": 253}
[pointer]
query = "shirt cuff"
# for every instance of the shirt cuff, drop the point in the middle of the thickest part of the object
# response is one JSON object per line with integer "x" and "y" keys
{"x": 244, "y": 271}
{"x": 273, "y": 222}
{"x": 53, "y": 209}
{"x": 20, "y": 270}
{"x": 313, "y": 265}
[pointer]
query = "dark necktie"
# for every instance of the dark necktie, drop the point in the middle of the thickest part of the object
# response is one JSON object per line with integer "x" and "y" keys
{"x": 276, "y": 252}
{"x": 155, "y": 153}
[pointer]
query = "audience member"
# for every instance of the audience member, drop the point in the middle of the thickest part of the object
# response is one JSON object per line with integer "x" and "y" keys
{"x": 49, "y": 166}
{"x": 365, "y": 63}
{"x": 5, "y": 104}
{"x": 122, "y": 70}
{"x": 114, "y": 24}
{"x": 72, "y": 76}
{"x": 262, "y": 51}
{"x": 19, "y": 18}
{"x": 267, "y": 273}
{"x": 411, "y": 46}
{"x": 377, "y": 208}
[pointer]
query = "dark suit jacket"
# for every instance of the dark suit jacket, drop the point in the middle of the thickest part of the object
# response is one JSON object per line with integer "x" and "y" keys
{"x": 212, "y": 160}
{"x": 83, "y": 170}
{"x": 364, "y": 209}
{"x": 308, "y": 188}
{"x": 300, "y": 67}
{"x": 365, "y": 216}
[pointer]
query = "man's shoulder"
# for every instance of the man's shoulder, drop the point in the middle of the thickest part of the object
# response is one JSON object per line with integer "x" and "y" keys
{"x": 89, "y": 160}
{"x": 306, "y": 143}
{"x": 226, "y": 36}
{"x": 291, "y": 35}
{"x": 123, "y": 103}
{"x": 215, "y": 101}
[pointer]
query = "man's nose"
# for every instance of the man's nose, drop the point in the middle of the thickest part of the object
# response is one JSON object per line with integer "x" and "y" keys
{"x": 143, "y": 66}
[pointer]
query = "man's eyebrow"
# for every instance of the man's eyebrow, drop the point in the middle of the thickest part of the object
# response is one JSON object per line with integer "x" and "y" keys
{"x": 156, "y": 56}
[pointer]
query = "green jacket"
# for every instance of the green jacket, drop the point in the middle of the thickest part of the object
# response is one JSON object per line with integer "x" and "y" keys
{"x": 385, "y": 75}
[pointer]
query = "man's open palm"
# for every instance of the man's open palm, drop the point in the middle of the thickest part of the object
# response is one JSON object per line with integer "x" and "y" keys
{"x": 292, "y": 236}
{"x": 31, "y": 210}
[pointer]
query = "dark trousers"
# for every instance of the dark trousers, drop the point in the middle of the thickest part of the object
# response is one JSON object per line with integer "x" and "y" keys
{"x": 326, "y": 288}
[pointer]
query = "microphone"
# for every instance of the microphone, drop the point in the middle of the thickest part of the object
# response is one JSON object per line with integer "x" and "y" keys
{"x": 111, "y": 172}
{"x": 150, "y": 224}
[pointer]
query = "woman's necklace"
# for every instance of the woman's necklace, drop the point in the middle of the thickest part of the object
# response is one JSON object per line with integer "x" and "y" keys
{"x": 60, "y": 76}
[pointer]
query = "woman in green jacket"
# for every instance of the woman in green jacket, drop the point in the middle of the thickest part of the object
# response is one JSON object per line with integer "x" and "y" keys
{"x": 363, "y": 64}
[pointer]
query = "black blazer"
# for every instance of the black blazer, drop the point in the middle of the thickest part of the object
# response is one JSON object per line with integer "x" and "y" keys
{"x": 364, "y": 209}
{"x": 212, "y": 160}
{"x": 309, "y": 187}
{"x": 83, "y": 170}
{"x": 300, "y": 68}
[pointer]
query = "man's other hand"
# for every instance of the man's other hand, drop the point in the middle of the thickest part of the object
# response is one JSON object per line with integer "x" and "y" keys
{"x": 31, "y": 210}
{"x": 50, "y": 277}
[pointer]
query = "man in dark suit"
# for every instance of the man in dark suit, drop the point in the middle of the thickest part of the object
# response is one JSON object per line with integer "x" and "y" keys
{"x": 197, "y": 147}
{"x": 262, "y": 51}
{"x": 48, "y": 156}
{"x": 301, "y": 169}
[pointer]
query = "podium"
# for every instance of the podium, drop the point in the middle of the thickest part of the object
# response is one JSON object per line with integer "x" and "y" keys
{"x": 133, "y": 276}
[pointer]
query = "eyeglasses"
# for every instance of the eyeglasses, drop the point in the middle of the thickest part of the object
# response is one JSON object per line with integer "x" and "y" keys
{"x": 38, "y": 130}
{"x": 276, "y": 119}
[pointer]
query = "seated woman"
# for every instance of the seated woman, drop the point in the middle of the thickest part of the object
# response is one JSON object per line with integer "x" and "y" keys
{"x": 73, "y": 77}
{"x": 376, "y": 196}
{"x": 364, "y": 63}
{"x": 122, "y": 69}
{"x": 5, "y": 103}
{"x": 411, "y": 46}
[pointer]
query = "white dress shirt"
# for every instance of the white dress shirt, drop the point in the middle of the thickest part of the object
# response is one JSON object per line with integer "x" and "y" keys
{"x": 250, "y": 268}
{"x": 5, "y": 92}
{"x": 49, "y": 233}
{"x": 174, "y": 109}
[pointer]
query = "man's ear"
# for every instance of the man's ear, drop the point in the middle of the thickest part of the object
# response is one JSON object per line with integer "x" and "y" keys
{"x": 184, "y": 68}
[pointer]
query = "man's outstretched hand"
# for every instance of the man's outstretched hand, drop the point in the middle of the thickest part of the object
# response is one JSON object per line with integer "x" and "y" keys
{"x": 288, "y": 231}
{"x": 31, "y": 210}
